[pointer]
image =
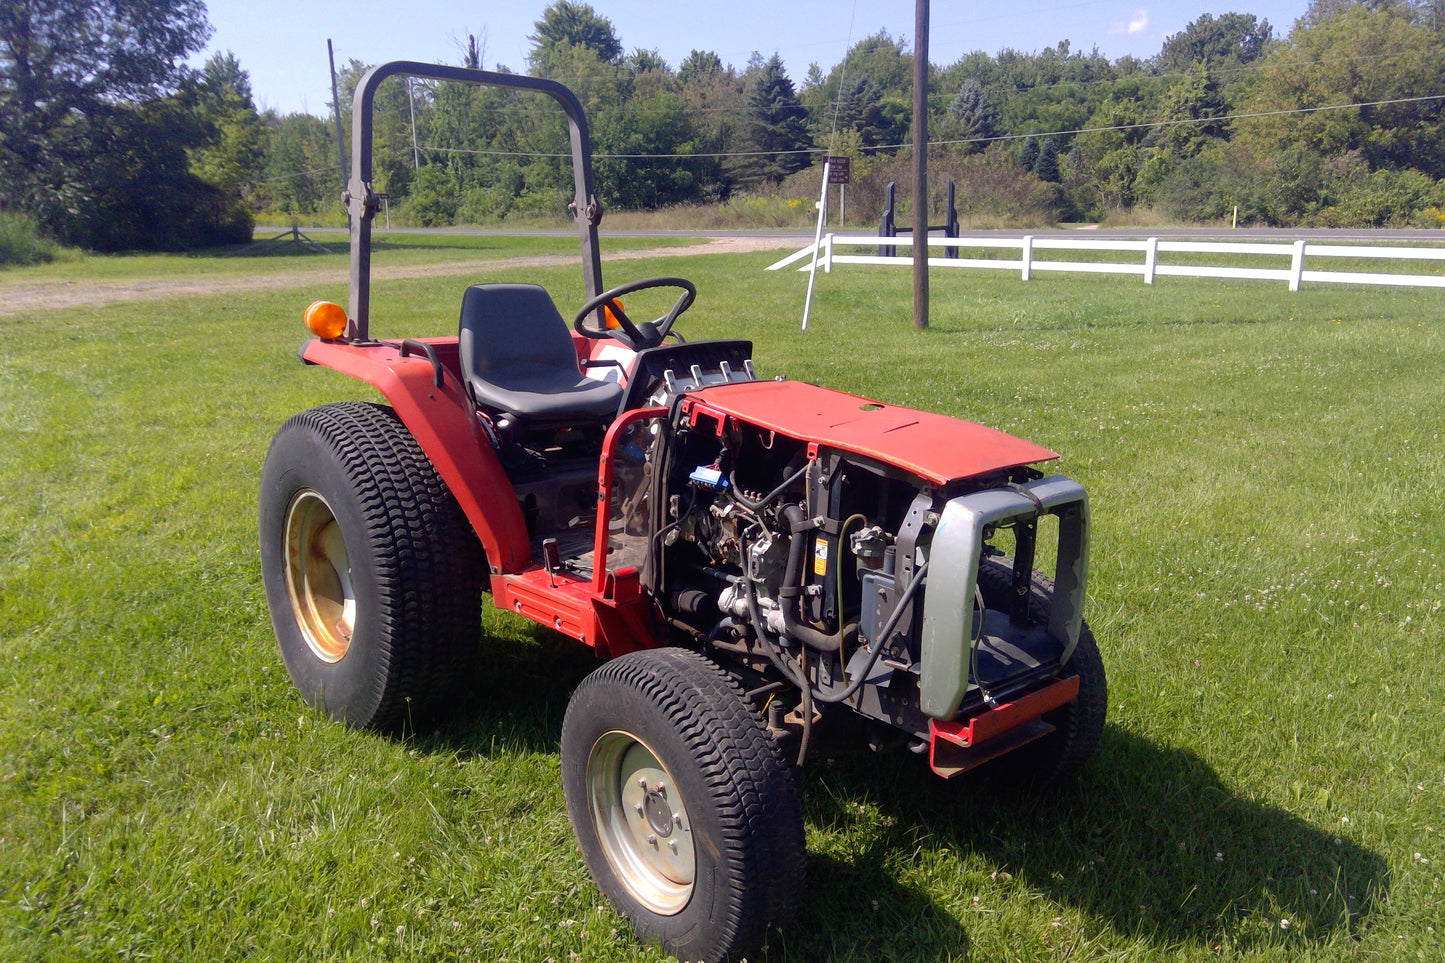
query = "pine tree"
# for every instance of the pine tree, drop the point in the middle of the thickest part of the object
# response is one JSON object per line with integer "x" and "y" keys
{"x": 776, "y": 134}
{"x": 1029, "y": 153}
{"x": 1047, "y": 166}
{"x": 976, "y": 118}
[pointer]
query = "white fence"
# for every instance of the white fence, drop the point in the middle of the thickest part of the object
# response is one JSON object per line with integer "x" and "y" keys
{"x": 1026, "y": 263}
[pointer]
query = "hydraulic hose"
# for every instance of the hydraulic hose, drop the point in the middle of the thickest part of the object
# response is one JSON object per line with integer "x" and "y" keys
{"x": 877, "y": 648}
{"x": 758, "y": 505}
{"x": 770, "y": 647}
{"x": 797, "y": 523}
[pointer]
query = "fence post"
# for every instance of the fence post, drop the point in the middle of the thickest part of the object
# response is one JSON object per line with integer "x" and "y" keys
{"x": 1026, "y": 260}
{"x": 1297, "y": 265}
{"x": 1151, "y": 259}
{"x": 828, "y": 253}
{"x": 886, "y": 227}
{"x": 950, "y": 222}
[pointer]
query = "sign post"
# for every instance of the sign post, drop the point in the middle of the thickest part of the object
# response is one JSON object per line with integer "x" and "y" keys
{"x": 840, "y": 173}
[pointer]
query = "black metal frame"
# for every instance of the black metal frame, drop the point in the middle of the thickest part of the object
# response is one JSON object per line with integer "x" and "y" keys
{"x": 362, "y": 202}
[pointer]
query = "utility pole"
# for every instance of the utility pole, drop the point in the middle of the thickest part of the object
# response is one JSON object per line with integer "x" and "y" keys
{"x": 920, "y": 164}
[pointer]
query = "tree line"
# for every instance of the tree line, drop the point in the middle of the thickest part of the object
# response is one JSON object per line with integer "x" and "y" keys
{"x": 109, "y": 142}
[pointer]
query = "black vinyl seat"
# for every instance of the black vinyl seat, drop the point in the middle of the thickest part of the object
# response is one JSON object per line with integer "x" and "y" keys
{"x": 518, "y": 360}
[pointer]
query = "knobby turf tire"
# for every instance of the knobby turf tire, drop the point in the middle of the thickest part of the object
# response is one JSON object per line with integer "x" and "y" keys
{"x": 415, "y": 565}
{"x": 1077, "y": 725}
{"x": 737, "y": 792}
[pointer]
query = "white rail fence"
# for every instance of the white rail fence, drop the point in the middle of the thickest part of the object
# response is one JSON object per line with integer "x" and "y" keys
{"x": 1026, "y": 263}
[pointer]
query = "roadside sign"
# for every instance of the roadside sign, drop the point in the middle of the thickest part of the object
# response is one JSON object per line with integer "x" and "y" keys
{"x": 838, "y": 169}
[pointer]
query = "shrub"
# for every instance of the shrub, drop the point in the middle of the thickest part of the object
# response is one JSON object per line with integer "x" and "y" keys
{"x": 21, "y": 241}
{"x": 1382, "y": 198}
{"x": 989, "y": 191}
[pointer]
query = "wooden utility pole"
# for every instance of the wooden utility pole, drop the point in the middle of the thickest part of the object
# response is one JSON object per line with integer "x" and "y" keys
{"x": 920, "y": 164}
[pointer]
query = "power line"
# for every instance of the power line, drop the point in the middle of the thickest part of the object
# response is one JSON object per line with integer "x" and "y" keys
{"x": 1185, "y": 120}
{"x": 291, "y": 176}
{"x": 970, "y": 140}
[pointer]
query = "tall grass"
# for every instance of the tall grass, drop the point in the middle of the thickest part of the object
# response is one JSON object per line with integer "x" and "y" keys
{"x": 1266, "y": 474}
{"x": 21, "y": 241}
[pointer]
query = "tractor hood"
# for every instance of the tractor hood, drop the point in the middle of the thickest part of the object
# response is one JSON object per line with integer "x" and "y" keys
{"x": 936, "y": 447}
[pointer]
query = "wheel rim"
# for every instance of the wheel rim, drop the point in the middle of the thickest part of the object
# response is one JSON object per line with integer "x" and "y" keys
{"x": 318, "y": 576}
{"x": 642, "y": 822}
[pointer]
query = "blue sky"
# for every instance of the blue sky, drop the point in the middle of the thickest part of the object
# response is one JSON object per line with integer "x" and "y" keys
{"x": 282, "y": 43}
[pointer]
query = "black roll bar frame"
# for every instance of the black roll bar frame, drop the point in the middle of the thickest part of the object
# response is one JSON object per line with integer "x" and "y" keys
{"x": 362, "y": 203}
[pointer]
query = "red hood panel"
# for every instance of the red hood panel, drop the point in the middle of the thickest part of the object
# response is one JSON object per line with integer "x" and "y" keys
{"x": 937, "y": 447}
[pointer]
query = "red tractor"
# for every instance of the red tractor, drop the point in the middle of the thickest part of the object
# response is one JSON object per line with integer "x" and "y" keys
{"x": 750, "y": 558}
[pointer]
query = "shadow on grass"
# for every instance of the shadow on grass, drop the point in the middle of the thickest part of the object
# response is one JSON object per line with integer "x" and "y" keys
{"x": 1148, "y": 843}
{"x": 513, "y": 696}
{"x": 855, "y": 909}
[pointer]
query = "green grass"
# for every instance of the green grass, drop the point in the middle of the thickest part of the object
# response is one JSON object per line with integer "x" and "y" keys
{"x": 388, "y": 248}
{"x": 1266, "y": 476}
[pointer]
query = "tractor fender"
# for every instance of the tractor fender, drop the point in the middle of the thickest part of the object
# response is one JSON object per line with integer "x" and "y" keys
{"x": 430, "y": 400}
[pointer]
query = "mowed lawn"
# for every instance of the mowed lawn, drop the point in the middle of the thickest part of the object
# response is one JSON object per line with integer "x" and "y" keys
{"x": 1267, "y": 476}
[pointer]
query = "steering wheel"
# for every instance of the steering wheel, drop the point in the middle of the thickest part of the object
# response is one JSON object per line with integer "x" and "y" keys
{"x": 636, "y": 336}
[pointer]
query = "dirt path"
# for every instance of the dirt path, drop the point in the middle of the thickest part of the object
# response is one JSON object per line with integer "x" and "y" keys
{"x": 73, "y": 293}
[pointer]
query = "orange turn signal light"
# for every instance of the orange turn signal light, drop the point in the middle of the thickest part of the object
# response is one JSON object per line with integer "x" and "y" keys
{"x": 608, "y": 316}
{"x": 326, "y": 319}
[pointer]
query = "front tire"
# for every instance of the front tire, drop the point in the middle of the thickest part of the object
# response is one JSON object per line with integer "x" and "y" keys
{"x": 373, "y": 575}
{"x": 1078, "y": 725}
{"x": 686, "y": 814}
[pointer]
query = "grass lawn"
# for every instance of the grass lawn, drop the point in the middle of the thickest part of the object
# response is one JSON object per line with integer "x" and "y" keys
{"x": 395, "y": 248}
{"x": 1267, "y": 479}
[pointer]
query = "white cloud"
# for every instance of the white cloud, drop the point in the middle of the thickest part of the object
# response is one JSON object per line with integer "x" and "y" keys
{"x": 1138, "y": 23}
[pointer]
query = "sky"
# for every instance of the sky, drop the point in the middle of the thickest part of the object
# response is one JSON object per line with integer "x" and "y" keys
{"x": 282, "y": 43}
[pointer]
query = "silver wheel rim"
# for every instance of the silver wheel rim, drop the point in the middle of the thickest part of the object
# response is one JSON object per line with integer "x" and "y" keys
{"x": 318, "y": 576}
{"x": 642, "y": 822}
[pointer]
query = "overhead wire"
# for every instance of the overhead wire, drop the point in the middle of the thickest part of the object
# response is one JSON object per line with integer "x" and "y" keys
{"x": 819, "y": 151}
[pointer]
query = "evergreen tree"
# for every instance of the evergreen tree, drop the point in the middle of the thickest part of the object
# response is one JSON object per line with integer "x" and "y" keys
{"x": 776, "y": 135}
{"x": 1046, "y": 168}
{"x": 976, "y": 119}
{"x": 1029, "y": 153}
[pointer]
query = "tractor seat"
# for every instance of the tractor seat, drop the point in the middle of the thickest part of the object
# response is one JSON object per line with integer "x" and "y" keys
{"x": 518, "y": 360}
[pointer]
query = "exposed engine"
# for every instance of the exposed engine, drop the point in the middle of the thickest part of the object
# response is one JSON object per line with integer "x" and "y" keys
{"x": 811, "y": 565}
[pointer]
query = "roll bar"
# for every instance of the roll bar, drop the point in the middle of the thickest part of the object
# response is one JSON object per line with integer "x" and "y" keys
{"x": 362, "y": 203}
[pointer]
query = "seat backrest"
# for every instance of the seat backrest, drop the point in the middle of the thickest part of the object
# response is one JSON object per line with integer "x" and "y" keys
{"x": 512, "y": 328}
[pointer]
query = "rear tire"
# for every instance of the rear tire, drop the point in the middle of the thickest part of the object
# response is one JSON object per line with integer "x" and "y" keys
{"x": 1077, "y": 725}
{"x": 686, "y": 814}
{"x": 373, "y": 575}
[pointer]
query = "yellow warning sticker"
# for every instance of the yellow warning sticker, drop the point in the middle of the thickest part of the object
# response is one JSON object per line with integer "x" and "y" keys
{"x": 820, "y": 557}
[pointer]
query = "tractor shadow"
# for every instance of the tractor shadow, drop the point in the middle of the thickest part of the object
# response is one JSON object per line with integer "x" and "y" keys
{"x": 1147, "y": 842}
{"x": 512, "y": 696}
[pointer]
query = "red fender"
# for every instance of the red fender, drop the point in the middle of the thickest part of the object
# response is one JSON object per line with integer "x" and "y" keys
{"x": 444, "y": 423}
